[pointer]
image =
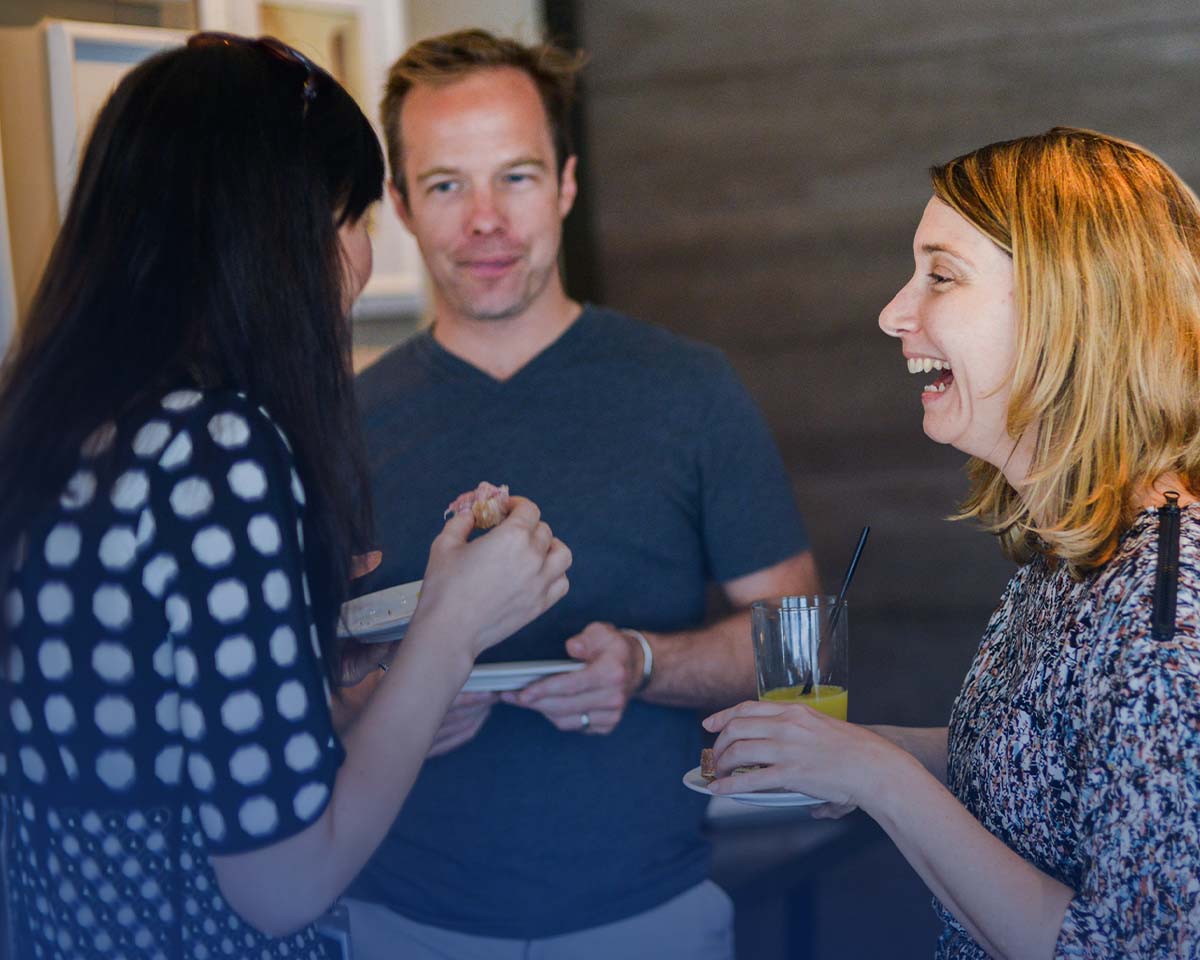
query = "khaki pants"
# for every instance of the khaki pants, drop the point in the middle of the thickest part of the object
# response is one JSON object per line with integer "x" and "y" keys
{"x": 696, "y": 925}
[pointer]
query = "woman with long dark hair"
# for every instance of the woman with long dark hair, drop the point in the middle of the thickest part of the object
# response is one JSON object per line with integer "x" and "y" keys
{"x": 181, "y": 496}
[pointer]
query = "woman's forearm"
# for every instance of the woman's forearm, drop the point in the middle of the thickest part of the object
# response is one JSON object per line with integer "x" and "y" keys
{"x": 287, "y": 885}
{"x": 927, "y": 744}
{"x": 1013, "y": 909}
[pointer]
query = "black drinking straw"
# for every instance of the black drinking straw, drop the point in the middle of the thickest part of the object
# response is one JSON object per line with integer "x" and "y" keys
{"x": 837, "y": 607}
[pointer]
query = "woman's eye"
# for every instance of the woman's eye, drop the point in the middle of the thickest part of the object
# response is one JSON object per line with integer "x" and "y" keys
{"x": 938, "y": 279}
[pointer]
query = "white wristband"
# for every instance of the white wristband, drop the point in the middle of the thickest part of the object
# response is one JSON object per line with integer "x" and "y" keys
{"x": 647, "y": 657}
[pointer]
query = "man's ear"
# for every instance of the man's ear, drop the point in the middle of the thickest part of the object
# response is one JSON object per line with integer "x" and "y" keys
{"x": 400, "y": 205}
{"x": 567, "y": 188}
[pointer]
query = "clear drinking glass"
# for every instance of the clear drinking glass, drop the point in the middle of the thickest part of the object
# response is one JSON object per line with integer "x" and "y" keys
{"x": 801, "y": 652}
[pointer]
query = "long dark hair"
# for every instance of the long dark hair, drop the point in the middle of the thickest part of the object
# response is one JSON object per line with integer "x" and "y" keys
{"x": 200, "y": 246}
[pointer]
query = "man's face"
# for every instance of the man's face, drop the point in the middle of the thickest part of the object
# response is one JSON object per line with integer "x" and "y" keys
{"x": 484, "y": 200}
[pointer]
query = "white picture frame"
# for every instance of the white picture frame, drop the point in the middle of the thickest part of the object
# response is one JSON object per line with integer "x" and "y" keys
{"x": 86, "y": 61}
{"x": 397, "y": 284}
{"x": 8, "y": 284}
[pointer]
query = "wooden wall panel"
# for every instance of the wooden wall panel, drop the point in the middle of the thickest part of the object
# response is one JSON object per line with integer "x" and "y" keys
{"x": 757, "y": 170}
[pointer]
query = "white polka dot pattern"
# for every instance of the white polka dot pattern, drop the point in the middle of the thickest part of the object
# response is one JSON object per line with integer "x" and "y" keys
{"x": 191, "y": 498}
{"x": 130, "y": 491}
{"x": 283, "y": 646}
{"x": 151, "y": 438}
{"x": 229, "y": 430}
{"x": 60, "y": 714}
{"x": 213, "y": 547}
{"x": 80, "y": 490}
{"x": 117, "y": 549}
{"x": 181, "y": 400}
{"x": 263, "y": 533}
{"x": 113, "y": 662}
{"x": 55, "y": 603}
{"x": 228, "y": 601}
{"x": 62, "y": 545}
{"x": 247, "y": 480}
{"x": 178, "y": 452}
{"x": 235, "y": 657}
{"x": 112, "y": 607}
{"x": 14, "y": 609}
{"x": 159, "y": 574}
{"x": 159, "y": 681}
{"x": 110, "y": 885}
{"x": 54, "y": 659}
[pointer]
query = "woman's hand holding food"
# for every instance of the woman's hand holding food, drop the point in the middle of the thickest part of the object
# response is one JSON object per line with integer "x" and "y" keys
{"x": 794, "y": 747}
{"x": 480, "y": 591}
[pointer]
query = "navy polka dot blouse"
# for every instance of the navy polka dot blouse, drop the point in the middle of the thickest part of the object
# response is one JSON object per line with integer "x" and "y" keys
{"x": 165, "y": 688}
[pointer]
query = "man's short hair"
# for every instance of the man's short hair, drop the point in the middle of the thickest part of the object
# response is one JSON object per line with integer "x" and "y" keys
{"x": 445, "y": 59}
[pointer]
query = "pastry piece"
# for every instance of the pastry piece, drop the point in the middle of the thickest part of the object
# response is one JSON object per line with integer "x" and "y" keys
{"x": 488, "y": 502}
{"x": 708, "y": 766}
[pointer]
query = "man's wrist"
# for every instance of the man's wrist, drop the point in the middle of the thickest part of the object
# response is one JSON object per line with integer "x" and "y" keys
{"x": 638, "y": 639}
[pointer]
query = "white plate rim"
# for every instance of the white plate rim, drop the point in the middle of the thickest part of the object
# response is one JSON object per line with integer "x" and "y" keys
{"x": 383, "y": 629}
{"x": 520, "y": 672}
{"x": 764, "y": 798}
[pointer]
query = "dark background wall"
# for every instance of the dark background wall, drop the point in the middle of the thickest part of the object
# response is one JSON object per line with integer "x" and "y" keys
{"x": 755, "y": 173}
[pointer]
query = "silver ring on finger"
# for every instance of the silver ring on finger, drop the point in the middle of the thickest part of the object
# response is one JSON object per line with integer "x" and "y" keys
{"x": 584, "y": 722}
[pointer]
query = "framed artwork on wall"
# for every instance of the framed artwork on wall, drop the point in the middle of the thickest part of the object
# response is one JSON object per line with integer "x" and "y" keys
{"x": 53, "y": 79}
{"x": 86, "y": 61}
{"x": 356, "y": 41}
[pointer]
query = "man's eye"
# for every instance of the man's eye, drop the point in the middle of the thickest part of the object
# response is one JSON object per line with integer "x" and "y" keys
{"x": 443, "y": 186}
{"x": 516, "y": 177}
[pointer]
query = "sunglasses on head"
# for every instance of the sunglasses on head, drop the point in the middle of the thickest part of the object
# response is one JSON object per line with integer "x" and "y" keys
{"x": 276, "y": 48}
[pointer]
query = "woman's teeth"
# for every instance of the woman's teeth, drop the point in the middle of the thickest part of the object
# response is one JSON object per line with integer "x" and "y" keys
{"x": 925, "y": 364}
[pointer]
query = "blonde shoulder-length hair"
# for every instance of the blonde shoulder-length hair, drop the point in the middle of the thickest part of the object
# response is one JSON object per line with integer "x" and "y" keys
{"x": 1105, "y": 242}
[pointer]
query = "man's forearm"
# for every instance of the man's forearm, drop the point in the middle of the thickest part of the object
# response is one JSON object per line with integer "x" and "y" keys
{"x": 705, "y": 669}
{"x": 712, "y": 667}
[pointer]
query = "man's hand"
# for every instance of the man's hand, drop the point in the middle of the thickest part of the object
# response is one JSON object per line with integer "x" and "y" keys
{"x": 599, "y": 692}
{"x": 463, "y": 721}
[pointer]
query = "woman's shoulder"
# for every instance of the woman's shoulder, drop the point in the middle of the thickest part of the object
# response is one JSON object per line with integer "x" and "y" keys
{"x": 188, "y": 427}
{"x": 183, "y": 447}
{"x": 1125, "y": 658}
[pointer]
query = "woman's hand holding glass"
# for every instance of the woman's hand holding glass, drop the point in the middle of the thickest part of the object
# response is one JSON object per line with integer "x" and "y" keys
{"x": 801, "y": 750}
{"x": 477, "y": 592}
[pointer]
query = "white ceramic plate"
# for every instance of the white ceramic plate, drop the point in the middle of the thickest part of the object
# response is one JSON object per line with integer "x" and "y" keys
{"x": 380, "y": 617}
{"x": 514, "y": 676}
{"x": 762, "y": 798}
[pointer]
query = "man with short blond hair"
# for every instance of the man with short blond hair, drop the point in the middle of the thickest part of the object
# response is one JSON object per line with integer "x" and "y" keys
{"x": 550, "y": 821}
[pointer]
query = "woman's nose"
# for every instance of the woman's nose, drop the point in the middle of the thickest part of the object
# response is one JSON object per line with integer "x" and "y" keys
{"x": 899, "y": 316}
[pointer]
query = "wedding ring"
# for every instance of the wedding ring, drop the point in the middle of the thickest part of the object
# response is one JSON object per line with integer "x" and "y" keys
{"x": 584, "y": 721}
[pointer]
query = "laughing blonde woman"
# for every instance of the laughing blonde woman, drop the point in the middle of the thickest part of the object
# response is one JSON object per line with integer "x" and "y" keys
{"x": 1057, "y": 284}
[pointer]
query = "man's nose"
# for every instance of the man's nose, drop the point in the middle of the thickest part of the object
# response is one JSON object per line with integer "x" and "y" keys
{"x": 485, "y": 215}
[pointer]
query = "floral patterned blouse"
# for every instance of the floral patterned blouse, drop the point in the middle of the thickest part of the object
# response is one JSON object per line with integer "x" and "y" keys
{"x": 1076, "y": 741}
